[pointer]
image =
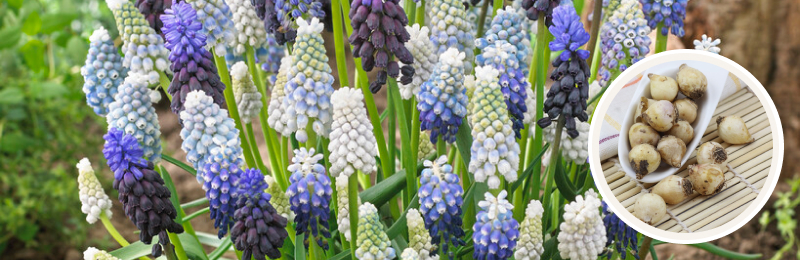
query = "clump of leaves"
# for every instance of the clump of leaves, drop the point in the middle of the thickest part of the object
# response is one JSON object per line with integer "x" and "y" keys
{"x": 785, "y": 217}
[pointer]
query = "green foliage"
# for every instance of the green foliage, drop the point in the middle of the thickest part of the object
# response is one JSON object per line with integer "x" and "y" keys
{"x": 784, "y": 216}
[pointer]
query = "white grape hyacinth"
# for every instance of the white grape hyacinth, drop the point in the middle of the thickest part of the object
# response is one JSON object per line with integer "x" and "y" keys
{"x": 342, "y": 200}
{"x": 250, "y": 29}
{"x": 94, "y": 200}
{"x": 419, "y": 238}
{"x": 707, "y": 44}
{"x": 279, "y": 199}
{"x": 372, "y": 241}
{"x": 247, "y": 97}
{"x": 92, "y": 253}
{"x": 276, "y": 107}
{"x": 529, "y": 246}
{"x": 409, "y": 254}
{"x": 583, "y": 234}
{"x": 425, "y": 59}
{"x": 573, "y": 149}
{"x": 352, "y": 145}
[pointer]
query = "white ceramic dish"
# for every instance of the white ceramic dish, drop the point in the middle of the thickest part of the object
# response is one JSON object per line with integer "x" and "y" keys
{"x": 706, "y": 105}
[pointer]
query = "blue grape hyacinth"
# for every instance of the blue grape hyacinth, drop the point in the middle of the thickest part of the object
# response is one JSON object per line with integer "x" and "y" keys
{"x": 513, "y": 78}
{"x": 508, "y": 26}
{"x": 266, "y": 11}
{"x": 260, "y": 230}
{"x": 102, "y": 72}
{"x": 192, "y": 65}
{"x": 221, "y": 175}
{"x": 670, "y": 13}
{"x": 271, "y": 55}
{"x": 623, "y": 40}
{"x": 440, "y": 204}
{"x": 289, "y": 10}
{"x": 495, "y": 231}
{"x": 144, "y": 197}
{"x": 143, "y": 48}
{"x": 215, "y": 16}
{"x": 450, "y": 28}
{"x": 310, "y": 196}
{"x": 442, "y": 100}
{"x": 619, "y": 235}
{"x": 133, "y": 113}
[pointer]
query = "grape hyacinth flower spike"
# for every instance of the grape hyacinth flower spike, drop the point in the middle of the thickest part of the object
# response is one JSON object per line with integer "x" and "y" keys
{"x": 192, "y": 65}
{"x": 418, "y": 238}
{"x": 670, "y": 13}
{"x": 259, "y": 231}
{"x": 572, "y": 149}
{"x": 272, "y": 54}
{"x": 623, "y": 40}
{"x": 507, "y": 25}
{"x": 143, "y": 49}
{"x": 707, "y": 44}
{"x": 249, "y": 28}
{"x": 289, "y": 10}
{"x": 266, "y": 11}
{"x": 530, "y": 244}
{"x": 279, "y": 199}
{"x": 247, "y": 97}
{"x": 152, "y": 11}
{"x": 379, "y": 33}
{"x": 373, "y": 243}
{"x": 215, "y": 16}
{"x": 132, "y": 112}
{"x": 495, "y": 231}
{"x": 309, "y": 87}
{"x": 570, "y": 89}
{"x": 94, "y": 200}
{"x": 310, "y": 196}
{"x": 423, "y": 51}
{"x": 343, "y": 212}
{"x": 583, "y": 235}
{"x": 513, "y": 79}
{"x": 450, "y": 28}
{"x": 92, "y": 253}
{"x": 440, "y": 203}
{"x": 494, "y": 150}
{"x": 535, "y": 9}
{"x": 619, "y": 235}
{"x": 352, "y": 146}
{"x": 102, "y": 72}
{"x": 442, "y": 100}
{"x": 221, "y": 175}
{"x": 144, "y": 197}
{"x": 278, "y": 119}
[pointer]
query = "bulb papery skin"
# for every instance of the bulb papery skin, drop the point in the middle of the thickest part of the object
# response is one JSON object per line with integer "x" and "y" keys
{"x": 260, "y": 230}
{"x": 143, "y": 49}
{"x": 372, "y": 241}
{"x": 650, "y": 208}
{"x": 450, "y": 28}
{"x": 494, "y": 150}
{"x": 310, "y": 193}
{"x": 425, "y": 59}
{"x": 442, "y": 100}
{"x": 623, "y": 40}
{"x": 248, "y": 99}
{"x": 418, "y": 238}
{"x": 309, "y": 87}
{"x": 92, "y": 253}
{"x": 102, "y": 72}
{"x": 707, "y": 44}
{"x": 733, "y": 130}
{"x": 670, "y": 13}
{"x": 530, "y": 243}
{"x": 353, "y": 146}
{"x": 583, "y": 235}
{"x": 133, "y": 113}
{"x": 94, "y": 200}
{"x": 495, "y": 231}
{"x": 440, "y": 199}
{"x": 215, "y": 16}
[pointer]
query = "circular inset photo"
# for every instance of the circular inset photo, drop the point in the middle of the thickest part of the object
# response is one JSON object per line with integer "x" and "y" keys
{"x": 689, "y": 147}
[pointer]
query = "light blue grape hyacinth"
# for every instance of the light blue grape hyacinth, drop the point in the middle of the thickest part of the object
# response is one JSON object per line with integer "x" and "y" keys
{"x": 289, "y": 10}
{"x": 372, "y": 241}
{"x": 494, "y": 150}
{"x": 103, "y": 72}
{"x": 218, "y": 27}
{"x": 450, "y": 28}
{"x": 508, "y": 25}
{"x": 623, "y": 40}
{"x": 440, "y": 203}
{"x": 442, "y": 100}
{"x": 669, "y": 12}
{"x": 221, "y": 173}
{"x": 143, "y": 49}
{"x": 270, "y": 55}
{"x": 206, "y": 126}
{"x": 495, "y": 231}
{"x": 707, "y": 44}
{"x": 502, "y": 55}
{"x": 310, "y": 83}
{"x": 133, "y": 113}
{"x": 309, "y": 194}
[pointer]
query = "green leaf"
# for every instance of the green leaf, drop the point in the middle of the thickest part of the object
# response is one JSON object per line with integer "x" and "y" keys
{"x": 341, "y": 256}
{"x": 56, "y": 21}
{"x": 32, "y": 24}
{"x": 47, "y": 90}
{"x": 383, "y": 191}
{"x": 528, "y": 171}
{"x": 711, "y": 248}
{"x": 10, "y": 96}
{"x": 33, "y": 52}
{"x": 551, "y": 249}
{"x": 134, "y": 250}
{"x": 9, "y": 36}
{"x": 27, "y": 232}
{"x": 401, "y": 225}
{"x": 566, "y": 187}
{"x": 174, "y": 194}
{"x": 221, "y": 249}
{"x": 299, "y": 248}
{"x": 77, "y": 48}
{"x": 180, "y": 164}
{"x": 15, "y": 142}
{"x": 15, "y": 3}
{"x": 193, "y": 249}
{"x": 464, "y": 142}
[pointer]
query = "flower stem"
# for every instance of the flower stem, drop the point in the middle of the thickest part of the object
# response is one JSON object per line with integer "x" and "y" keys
{"x": 173, "y": 238}
{"x": 596, "y": 14}
{"x": 644, "y": 249}
{"x": 661, "y": 39}
{"x": 269, "y": 134}
{"x": 420, "y": 13}
{"x": 411, "y": 168}
{"x": 162, "y": 77}
{"x": 482, "y": 18}
{"x": 539, "y": 77}
{"x": 595, "y": 62}
{"x": 352, "y": 193}
{"x": 498, "y": 4}
{"x": 112, "y": 230}
{"x": 256, "y": 154}
{"x": 555, "y": 153}
{"x": 233, "y": 111}
{"x": 338, "y": 34}
{"x": 441, "y": 147}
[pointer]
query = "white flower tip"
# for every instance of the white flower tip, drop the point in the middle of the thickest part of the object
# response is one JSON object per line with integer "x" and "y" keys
{"x": 308, "y": 27}
{"x": 534, "y": 209}
{"x": 84, "y": 165}
{"x": 195, "y": 98}
{"x": 452, "y": 57}
{"x": 155, "y": 96}
{"x": 487, "y": 73}
{"x": 100, "y": 34}
{"x": 239, "y": 70}
{"x": 346, "y": 97}
{"x": 115, "y": 4}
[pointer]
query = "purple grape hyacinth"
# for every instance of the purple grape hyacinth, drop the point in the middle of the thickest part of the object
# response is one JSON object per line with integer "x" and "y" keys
{"x": 266, "y": 11}
{"x": 495, "y": 231}
{"x": 221, "y": 175}
{"x": 152, "y": 11}
{"x": 310, "y": 196}
{"x": 623, "y": 40}
{"x": 442, "y": 100}
{"x": 669, "y": 12}
{"x": 534, "y": 9}
{"x": 259, "y": 231}
{"x": 440, "y": 203}
{"x": 619, "y": 235}
{"x": 192, "y": 64}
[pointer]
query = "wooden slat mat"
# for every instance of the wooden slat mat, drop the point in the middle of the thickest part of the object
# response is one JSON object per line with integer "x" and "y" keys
{"x": 751, "y": 162}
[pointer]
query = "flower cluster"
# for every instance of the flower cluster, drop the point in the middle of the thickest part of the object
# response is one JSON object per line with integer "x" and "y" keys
{"x": 619, "y": 235}
{"x": 132, "y": 112}
{"x": 426, "y": 148}
{"x": 512, "y": 75}
{"x": 442, "y": 100}
{"x": 144, "y": 197}
{"x": 309, "y": 86}
{"x": 249, "y": 28}
{"x": 278, "y": 119}
{"x": 221, "y": 175}
{"x": 248, "y": 99}
{"x": 270, "y": 55}
{"x": 494, "y": 150}
{"x": 342, "y": 200}
{"x": 152, "y": 11}
{"x": 215, "y": 16}
{"x": 495, "y": 231}
{"x": 669, "y": 13}
{"x": 440, "y": 203}
{"x": 92, "y": 253}
{"x": 508, "y": 25}
{"x": 572, "y": 148}
{"x": 707, "y": 44}
{"x": 259, "y": 231}
{"x": 422, "y": 49}
{"x": 310, "y": 196}
{"x": 94, "y": 200}
{"x": 409, "y": 254}
{"x": 530, "y": 233}
{"x": 289, "y": 10}
{"x": 473, "y": 14}
{"x": 352, "y": 145}
{"x": 143, "y": 48}
{"x": 279, "y": 199}
{"x": 527, "y": 24}
{"x": 583, "y": 235}
{"x": 379, "y": 32}
{"x": 192, "y": 65}
{"x": 373, "y": 243}
{"x": 451, "y": 29}
{"x": 623, "y": 39}
{"x": 418, "y": 238}
{"x": 206, "y": 127}
{"x": 570, "y": 90}
{"x": 266, "y": 11}
{"x": 540, "y": 8}
{"x": 102, "y": 72}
